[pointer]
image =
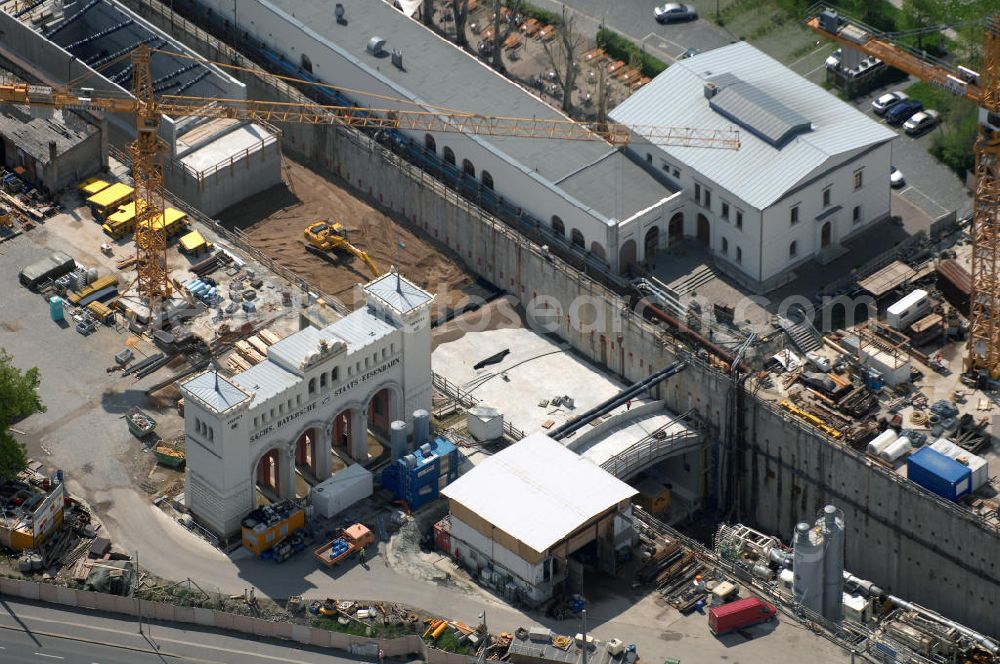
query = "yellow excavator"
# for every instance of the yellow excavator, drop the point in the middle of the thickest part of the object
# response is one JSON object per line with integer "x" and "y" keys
{"x": 324, "y": 238}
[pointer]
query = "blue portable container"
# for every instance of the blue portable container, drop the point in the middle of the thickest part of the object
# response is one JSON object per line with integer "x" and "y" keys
{"x": 56, "y": 308}
{"x": 939, "y": 474}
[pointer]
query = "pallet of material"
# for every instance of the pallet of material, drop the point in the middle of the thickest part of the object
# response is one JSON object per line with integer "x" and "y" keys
{"x": 258, "y": 344}
{"x": 247, "y": 351}
{"x": 269, "y": 337}
{"x": 237, "y": 363}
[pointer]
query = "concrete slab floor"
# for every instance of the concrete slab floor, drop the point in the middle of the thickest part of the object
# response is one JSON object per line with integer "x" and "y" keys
{"x": 535, "y": 370}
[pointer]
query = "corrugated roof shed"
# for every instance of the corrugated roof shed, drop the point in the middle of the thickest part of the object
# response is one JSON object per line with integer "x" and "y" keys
{"x": 537, "y": 491}
{"x": 760, "y": 173}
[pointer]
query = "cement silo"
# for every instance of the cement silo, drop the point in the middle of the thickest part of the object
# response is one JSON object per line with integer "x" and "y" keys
{"x": 397, "y": 439}
{"x": 807, "y": 566}
{"x": 831, "y": 521}
{"x": 421, "y": 427}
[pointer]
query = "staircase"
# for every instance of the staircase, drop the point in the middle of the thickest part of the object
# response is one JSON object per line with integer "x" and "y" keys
{"x": 689, "y": 283}
{"x": 804, "y": 336}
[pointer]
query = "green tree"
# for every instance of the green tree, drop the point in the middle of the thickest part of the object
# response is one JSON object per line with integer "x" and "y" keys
{"x": 18, "y": 399}
{"x": 923, "y": 14}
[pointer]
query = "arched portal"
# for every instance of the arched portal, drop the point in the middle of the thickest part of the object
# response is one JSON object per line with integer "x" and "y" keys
{"x": 307, "y": 452}
{"x": 269, "y": 475}
{"x": 675, "y": 230}
{"x": 704, "y": 230}
{"x": 626, "y": 256}
{"x": 651, "y": 243}
{"x": 384, "y": 405}
{"x": 598, "y": 250}
{"x": 343, "y": 424}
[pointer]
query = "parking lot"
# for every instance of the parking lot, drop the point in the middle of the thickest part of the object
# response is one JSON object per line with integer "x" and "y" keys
{"x": 930, "y": 185}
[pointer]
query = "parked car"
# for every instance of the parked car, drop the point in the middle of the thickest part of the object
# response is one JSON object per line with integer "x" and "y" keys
{"x": 887, "y": 101}
{"x": 833, "y": 61}
{"x": 896, "y": 178}
{"x": 674, "y": 11}
{"x": 921, "y": 122}
{"x": 690, "y": 53}
{"x": 903, "y": 111}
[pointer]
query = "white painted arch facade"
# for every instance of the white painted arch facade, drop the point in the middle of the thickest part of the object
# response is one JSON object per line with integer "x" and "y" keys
{"x": 314, "y": 390}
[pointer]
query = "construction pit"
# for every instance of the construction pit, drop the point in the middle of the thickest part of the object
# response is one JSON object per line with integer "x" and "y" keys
{"x": 274, "y": 222}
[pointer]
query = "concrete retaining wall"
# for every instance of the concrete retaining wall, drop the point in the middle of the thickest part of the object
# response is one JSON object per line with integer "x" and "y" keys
{"x": 899, "y": 536}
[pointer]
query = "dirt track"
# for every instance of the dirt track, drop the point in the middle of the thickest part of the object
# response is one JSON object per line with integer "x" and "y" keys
{"x": 274, "y": 220}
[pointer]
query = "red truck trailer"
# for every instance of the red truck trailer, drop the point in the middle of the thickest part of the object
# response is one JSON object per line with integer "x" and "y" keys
{"x": 351, "y": 540}
{"x": 741, "y": 613}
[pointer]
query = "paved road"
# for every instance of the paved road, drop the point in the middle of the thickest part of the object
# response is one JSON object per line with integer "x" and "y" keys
{"x": 35, "y": 633}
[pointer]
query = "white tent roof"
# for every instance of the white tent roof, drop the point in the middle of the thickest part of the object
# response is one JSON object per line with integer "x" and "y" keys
{"x": 537, "y": 491}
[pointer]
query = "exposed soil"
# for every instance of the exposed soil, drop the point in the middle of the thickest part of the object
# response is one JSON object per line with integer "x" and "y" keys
{"x": 274, "y": 221}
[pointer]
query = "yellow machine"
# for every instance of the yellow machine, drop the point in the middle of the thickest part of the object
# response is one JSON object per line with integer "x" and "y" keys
{"x": 325, "y": 237}
{"x": 194, "y": 243}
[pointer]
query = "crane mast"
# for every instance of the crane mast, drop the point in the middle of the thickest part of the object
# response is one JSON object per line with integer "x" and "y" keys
{"x": 983, "y": 346}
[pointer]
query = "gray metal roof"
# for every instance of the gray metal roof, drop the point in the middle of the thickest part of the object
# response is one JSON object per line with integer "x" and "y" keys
{"x": 359, "y": 329}
{"x": 266, "y": 380}
{"x": 32, "y": 134}
{"x": 634, "y": 187}
{"x": 300, "y": 347}
{"x": 759, "y": 173}
{"x": 398, "y": 293}
{"x": 216, "y": 391}
{"x": 756, "y": 111}
{"x": 438, "y": 73}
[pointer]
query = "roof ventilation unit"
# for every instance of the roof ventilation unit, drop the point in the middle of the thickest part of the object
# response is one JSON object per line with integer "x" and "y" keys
{"x": 397, "y": 58}
{"x": 711, "y": 89}
{"x": 376, "y": 46}
{"x": 338, "y": 11}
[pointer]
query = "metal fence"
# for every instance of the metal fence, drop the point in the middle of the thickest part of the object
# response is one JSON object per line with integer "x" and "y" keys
{"x": 466, "y": 400}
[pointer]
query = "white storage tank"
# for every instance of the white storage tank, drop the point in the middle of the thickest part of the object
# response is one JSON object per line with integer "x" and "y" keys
{"x": 896, "y": 450}
{"x": 421, "y": 427}
{"x": 807, "y": 565}
{"x": 397, "y": 439}
{"x": 881, "y": 441}
{"x": 343, "y": 489}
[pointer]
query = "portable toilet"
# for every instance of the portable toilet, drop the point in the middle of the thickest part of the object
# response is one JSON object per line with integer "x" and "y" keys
{"x": 56, "y": 308}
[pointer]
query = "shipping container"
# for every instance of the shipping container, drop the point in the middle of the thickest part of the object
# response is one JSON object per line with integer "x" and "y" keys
{"x": 343, "y": 489}
{"x": 109, "y": 200}
{"x": 978, "y": 465}
{"x": 176, "y": 222}
{"x": 939, "y": 474}
{"x": 653, "y": 496}
{"x": 92, "y": 186}
{"x": 955, "y": 283}
{"x": 912, "y": 307}
{"x": 741, "y": 613}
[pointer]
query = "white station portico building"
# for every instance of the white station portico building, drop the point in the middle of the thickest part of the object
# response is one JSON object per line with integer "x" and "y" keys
{"x": 317, "y": 389}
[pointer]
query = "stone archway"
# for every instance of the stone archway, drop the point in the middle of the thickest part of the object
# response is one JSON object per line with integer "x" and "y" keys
{"x": 627, "y": 256}
{"x": 307, "y": 453}
{"x": 675, "y": 229}
{"x": 704, "y": 230}
{"x": 274, "y": 474}
{"x": 651, "y": 243}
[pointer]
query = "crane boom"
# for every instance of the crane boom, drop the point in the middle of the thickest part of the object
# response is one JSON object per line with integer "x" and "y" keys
{"x": 983, "y": 350}
{"x": 153, "y": 281}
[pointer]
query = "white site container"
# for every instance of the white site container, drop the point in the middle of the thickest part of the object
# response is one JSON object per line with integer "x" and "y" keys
{"x": 893, "y": 452}
{"x": 908, "y": 310}
{"x": 979, "y": 466}
{"x": 341, "y": 490}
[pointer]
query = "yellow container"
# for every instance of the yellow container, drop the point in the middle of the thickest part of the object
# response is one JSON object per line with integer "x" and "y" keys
{"x": 92, "y": 186}
{"x": 262, "y": 537}
{"x": 109, "y": 200}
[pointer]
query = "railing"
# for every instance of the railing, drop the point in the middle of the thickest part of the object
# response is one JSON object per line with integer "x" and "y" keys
{"x": 466, "y": 400}
{"x": 228, "y": 162}
{"x": 651, "y": 450}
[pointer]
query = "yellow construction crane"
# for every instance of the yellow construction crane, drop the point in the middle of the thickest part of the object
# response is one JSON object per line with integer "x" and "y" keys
{"x": 983, "y": 88}
{"x": 153, "y": 281}
{"x": 325, "y": 237}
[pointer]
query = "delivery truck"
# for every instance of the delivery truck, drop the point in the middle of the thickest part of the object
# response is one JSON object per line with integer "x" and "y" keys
{"x": 741, "y": 613}
{"x": 353, "y": 539}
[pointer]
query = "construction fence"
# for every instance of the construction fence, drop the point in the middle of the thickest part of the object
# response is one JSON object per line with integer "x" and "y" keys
{"x": 313, "y": 636}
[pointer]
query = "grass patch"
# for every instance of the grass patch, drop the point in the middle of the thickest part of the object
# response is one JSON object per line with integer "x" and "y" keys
{"x": 448, "y": 641}
{"x": 355, "y": 628}
{"x": 542, "y": 15}
{"x": 620, "y": 48}
{"x": 952, "y": 143}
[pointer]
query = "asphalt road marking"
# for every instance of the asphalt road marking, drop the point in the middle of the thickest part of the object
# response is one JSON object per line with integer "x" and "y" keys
{"x": 45, "y": 654}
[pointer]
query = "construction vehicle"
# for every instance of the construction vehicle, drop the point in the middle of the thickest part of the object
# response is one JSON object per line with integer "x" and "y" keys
{"x": 983, "y": 349}
{"x": 323, "y": 238}
{"x": 351, "y": 540}
{"x": 153, "y": 279}
{"x": 267, "y": 527}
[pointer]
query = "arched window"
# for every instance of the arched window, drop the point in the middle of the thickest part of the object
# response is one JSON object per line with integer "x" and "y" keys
{"x": 468, "y": 168}
{"x": 449, "y": 156}
{"x": 725, "y": 246}
{"x": 307, "y": 63}
{"x": 312, "y": 386}
{"x": 576, "y": 237}
{"x": 598, "y": 250}
{"x": 558, "y": 227}
{"x": 793, "y": 249}
{"x": 430, "y": 144}
{"x": 322, "y": 381}
{"x": 486, "y": 179}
